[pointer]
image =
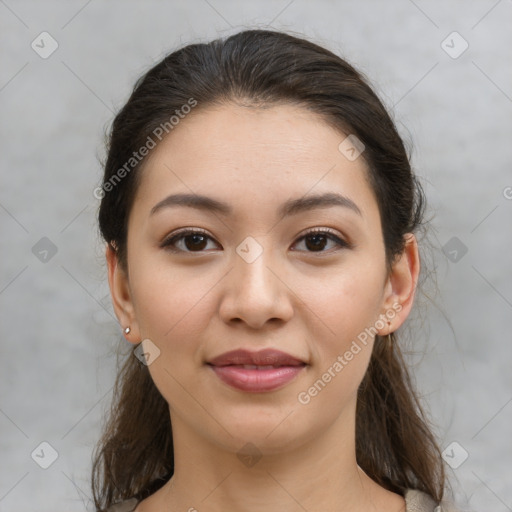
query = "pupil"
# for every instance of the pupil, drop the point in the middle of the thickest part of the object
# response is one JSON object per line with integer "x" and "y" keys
{"x": 317, "y": 244}
{"x": 197, "y": 240}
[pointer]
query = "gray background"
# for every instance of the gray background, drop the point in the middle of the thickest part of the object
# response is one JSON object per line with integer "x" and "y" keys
{"x": 58, "y": 331}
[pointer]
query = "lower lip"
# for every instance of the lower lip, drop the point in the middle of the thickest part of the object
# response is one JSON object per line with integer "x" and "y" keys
{"x": 256, "y": 381}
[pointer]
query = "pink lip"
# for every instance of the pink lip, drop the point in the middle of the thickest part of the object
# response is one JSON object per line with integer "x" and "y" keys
{"x": 229, "y": 367}
{"x": 256, "y": 381}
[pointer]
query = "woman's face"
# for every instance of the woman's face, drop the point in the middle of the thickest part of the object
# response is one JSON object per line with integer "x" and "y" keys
{"x": 255, "y": 277}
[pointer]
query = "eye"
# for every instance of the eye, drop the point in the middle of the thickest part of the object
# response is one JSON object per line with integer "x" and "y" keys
{"x": 318, "y": 239}
{"x": 196, "y": 240}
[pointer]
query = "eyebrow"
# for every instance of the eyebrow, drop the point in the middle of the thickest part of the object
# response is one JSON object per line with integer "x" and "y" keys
{"x": 290, "y": 207}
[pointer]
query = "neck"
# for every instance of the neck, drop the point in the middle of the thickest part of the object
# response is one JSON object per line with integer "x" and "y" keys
{"x": 319, "y": 474}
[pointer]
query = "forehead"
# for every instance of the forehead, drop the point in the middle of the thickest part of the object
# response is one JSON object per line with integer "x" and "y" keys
{"x": 267, "y": 154}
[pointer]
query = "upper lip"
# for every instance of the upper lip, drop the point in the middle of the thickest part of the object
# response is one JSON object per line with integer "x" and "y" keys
{"x": 261, "y": 358}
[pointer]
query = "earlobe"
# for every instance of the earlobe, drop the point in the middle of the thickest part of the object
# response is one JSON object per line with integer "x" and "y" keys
{"x": 401, "y": 285}
{"x": 121, "y": 296}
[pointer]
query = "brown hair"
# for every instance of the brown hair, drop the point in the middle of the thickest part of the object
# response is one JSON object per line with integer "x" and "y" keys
{"x": 394, "y": 443}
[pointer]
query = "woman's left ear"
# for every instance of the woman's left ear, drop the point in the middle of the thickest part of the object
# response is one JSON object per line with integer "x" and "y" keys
{"x": 121, "y": 296}
{"x": 401, "y": 284}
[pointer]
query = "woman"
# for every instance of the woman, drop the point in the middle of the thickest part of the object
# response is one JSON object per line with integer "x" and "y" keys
{"x": 259, "y": 212}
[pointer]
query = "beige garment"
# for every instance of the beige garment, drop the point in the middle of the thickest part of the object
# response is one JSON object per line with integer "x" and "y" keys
{"x": 416, "y": 501}
{"x": 124, "y": 506}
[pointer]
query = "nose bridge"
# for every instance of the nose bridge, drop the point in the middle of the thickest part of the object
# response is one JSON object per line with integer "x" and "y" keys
{"x": 254, "y": 293}
{"x": 251, "y": 272}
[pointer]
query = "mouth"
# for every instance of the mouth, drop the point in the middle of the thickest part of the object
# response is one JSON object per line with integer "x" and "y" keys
{"x": 262, "y": 358}
{"x": 256, "y": 372}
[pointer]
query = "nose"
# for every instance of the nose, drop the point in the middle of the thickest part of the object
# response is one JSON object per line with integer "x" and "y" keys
{"x": 256, "y": 292}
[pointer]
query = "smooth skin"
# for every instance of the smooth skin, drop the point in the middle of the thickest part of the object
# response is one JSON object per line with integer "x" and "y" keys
{"x": 305, "y": 298}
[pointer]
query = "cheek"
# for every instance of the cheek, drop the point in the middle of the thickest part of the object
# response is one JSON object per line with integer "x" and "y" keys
{"x": 348, "y": 306}
{"x": 346, "y": 303}
{"x": 173, "y": 310}
{"x": 170, "y": 302}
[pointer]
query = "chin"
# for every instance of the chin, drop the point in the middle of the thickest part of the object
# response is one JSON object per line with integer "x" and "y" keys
{"x": 271, "y": 432}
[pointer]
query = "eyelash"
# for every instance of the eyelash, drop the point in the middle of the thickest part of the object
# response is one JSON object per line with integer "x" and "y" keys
{"x": 168, "y": 242}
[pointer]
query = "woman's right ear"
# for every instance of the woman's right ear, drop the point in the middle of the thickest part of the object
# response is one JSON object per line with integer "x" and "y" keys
{"x": 121, "y": 295}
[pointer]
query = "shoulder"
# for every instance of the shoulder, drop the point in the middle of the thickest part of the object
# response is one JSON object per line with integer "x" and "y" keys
{"x": 418, "y": 501}
{"x": 124, "y": 506}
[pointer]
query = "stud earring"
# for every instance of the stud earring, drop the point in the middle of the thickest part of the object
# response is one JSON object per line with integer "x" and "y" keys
{"x": 389, "y": 339}
{"x": 127, "y": 330}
